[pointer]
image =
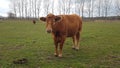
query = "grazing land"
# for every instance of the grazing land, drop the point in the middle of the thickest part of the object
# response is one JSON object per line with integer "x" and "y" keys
{"x": 99, "y": 46}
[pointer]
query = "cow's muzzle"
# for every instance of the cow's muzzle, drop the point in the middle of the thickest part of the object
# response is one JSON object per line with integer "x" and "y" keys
{"x": 49, "y": 31}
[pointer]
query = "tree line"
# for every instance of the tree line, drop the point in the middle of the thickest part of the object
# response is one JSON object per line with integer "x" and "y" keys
{"x": 84, "y": 8}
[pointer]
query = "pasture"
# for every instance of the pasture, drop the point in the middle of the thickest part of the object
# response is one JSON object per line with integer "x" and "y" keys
{"x": 99, "y": 46}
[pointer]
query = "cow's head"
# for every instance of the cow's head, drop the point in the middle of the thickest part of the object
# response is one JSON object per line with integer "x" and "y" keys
{"x": 50, "y": 20}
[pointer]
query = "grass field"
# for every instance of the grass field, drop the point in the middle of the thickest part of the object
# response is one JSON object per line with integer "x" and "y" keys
{"x": 99, "y": 47}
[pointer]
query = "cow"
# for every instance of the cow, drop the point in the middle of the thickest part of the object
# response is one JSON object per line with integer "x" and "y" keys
{"x": 34, "y": 22}
{"x": 61, "y": 27}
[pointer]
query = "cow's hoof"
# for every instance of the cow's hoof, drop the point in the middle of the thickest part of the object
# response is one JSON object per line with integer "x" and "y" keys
{"x": 55, "y": 55}
{"x": 77, "y": 49}
{"x": 73, "y": 48}
{"x": 60, "y": 55}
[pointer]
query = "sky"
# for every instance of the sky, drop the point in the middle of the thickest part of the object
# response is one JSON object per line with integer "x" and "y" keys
{"x": 4, "y": 7}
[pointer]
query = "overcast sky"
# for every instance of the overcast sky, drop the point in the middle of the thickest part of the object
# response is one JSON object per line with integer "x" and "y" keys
{"x": 4, "y": 7}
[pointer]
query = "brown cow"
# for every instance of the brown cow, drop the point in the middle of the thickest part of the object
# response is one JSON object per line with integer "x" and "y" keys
{"x": 34, "y": 22}
{"x": 62, "y": 26}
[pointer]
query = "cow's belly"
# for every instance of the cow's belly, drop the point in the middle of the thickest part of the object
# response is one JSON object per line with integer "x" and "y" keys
{"x": 72, "y": 29}
{"x": 71, "y": 33}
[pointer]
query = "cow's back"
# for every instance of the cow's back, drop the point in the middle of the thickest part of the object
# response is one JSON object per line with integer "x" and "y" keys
{"x": 73, "y": 24}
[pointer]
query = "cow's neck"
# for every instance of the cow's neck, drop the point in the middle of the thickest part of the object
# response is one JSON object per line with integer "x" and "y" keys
{"x": 59, "y": 29}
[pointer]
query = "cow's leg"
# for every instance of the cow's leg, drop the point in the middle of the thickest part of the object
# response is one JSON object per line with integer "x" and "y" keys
{"x": 73, "y": 46}
{"x": 56, "y": 48}
{"x": 56, "y": 45}
{"x": 74, "y": 42}
{"x": 61, "y": 46}
{"x": 77, "y": 39}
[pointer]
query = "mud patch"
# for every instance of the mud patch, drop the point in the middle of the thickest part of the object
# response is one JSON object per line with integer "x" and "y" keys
{"x": 20, "y": 61}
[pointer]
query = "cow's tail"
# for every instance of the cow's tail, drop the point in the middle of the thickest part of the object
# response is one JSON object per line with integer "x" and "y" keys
{"x": 80, "y": 24}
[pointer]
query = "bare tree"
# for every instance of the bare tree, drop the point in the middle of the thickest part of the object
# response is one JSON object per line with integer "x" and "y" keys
{"x": 14, "y": 6}
{"x": 33, "y": 12}
{"x": 99, "y": 8}
{"x": 26, "y": 8}
{"x": 46, "y": 6}
{"x": 11, "y": 15}
{"x": 39, "y": 7}
{"x": 75, "y": 8}
{"x": 82, "y": 8}
{"x": 117, "y": 7}
{"x": 79, "y": 7}
{"x": 63, "y": 6}
{"x": 30, "y": 8}
{"x": 92, "y": 6}
{"x": 52, "y": 6}
{"x": 35, "y": 8}
{"x": 107, "y": 4}
{"x": 89, "y": 7}
{"x": 19, "y": 8}
{"x": 60, "y": 7}
{"x": 99, "y": 4}
{"x": 22, "y": 7}
{"x": 69, "y": 6}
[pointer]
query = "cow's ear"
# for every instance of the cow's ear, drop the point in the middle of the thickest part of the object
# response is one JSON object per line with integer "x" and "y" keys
{"x": 43, "y": 19}
{"x": 58, "y": 18}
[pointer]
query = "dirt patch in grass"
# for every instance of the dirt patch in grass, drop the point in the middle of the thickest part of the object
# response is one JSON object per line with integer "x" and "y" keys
{"x": 20, "y": 61}
{"x": 114, "y": 59}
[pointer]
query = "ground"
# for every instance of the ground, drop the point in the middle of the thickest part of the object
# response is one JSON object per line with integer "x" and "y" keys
{"x": 99, "y": 47}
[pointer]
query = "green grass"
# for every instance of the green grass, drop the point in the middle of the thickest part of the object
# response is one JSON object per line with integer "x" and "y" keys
{"x": 99, "y": 47}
